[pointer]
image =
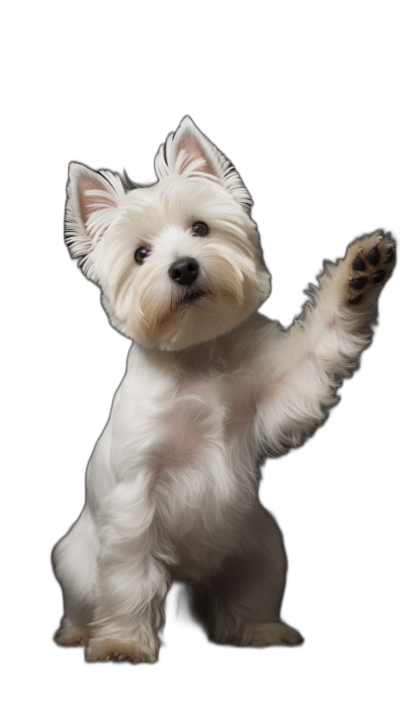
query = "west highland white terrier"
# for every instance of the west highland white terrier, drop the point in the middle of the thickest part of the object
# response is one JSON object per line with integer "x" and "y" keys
{"x": 212, "y": 387}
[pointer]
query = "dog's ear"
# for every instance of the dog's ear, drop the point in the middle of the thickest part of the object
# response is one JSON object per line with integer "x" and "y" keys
{"x": 92, "y": 197}
{"x": 189, "y": 153}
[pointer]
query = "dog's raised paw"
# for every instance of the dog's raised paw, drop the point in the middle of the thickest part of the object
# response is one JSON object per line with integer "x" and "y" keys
{"x": 371, "y": 261}
{"x": 105, "y": 650}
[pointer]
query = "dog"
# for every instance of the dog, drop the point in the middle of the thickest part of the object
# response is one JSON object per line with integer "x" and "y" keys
{"x": 212, "y": 388}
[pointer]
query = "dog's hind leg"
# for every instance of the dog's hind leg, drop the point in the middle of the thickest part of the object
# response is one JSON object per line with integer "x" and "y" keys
{"x": 74, "y": 561}
{"x": 240, "y": 604}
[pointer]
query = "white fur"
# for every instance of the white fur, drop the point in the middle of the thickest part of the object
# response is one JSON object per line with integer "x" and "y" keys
{"x": 211, "y": 388}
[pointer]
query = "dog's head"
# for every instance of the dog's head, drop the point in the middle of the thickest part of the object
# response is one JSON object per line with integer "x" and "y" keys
{"x": 178, "y": 262}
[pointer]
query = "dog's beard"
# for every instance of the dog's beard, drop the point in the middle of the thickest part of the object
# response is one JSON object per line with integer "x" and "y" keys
{"x": 166, "y": 319}
{"x": 196, "y": 314}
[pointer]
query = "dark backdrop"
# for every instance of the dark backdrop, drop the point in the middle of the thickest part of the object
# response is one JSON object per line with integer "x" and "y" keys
{"x": 319, "y": 155}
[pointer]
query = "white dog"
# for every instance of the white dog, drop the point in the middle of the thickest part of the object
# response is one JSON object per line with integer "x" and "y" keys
{"x": 211, "y": 388}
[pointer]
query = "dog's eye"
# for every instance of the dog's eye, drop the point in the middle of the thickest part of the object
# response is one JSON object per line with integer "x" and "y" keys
{"x": 141, "y": 254}
{"x": 200, "y": 228}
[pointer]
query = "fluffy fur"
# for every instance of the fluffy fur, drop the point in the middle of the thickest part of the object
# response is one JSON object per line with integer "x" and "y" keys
{"x": 211, "y": 388}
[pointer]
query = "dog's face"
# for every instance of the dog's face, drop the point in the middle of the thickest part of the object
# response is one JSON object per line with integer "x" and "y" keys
{"x": 178, "y": 262}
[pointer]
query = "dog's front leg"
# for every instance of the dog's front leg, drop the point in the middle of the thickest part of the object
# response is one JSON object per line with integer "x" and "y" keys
{"x": 308, "y": 362}
{"x": 132, "y": 583}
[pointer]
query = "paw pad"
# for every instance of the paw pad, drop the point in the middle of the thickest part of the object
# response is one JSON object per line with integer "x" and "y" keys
{"x": 356, "y": 300}
{"x": 378, "y": 277}
{"x": 358, "y": 283}
{"x": 358, "y": 264}
{"x": 373, "y": 252}
{"x": 389, "y": 256}
{"x": 373, "y": 256}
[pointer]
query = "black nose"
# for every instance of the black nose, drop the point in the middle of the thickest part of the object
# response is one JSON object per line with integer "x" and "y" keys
{"x": 184, "y": 271}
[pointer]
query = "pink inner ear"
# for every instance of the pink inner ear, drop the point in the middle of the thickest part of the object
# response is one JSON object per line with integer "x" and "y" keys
{"x": 88, "y": 204}
{"x": 193, "y": 150}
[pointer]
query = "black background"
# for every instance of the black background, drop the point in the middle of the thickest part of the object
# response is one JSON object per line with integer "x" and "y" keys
{"x": 316, "y": 145}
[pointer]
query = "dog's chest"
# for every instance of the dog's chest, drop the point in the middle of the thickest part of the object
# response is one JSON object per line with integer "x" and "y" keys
{"x": 185, "y": 419}
{"x": 222, "y": 403}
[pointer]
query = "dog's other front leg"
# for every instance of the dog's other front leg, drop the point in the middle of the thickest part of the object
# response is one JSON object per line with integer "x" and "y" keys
{"x": 308, "y": 362}
{"x": 132, "y": 583}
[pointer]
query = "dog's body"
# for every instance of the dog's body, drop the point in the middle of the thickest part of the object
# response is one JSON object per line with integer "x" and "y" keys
{"x": 211, "y": 388}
